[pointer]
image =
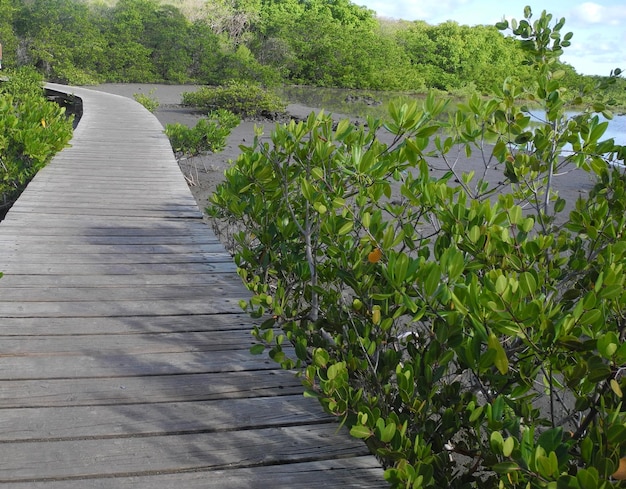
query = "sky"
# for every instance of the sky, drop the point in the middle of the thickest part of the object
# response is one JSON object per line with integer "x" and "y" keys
{"x": 599, "y": 27}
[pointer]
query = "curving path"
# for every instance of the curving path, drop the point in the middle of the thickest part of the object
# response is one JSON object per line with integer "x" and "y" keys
{"x": 123, "y": 354}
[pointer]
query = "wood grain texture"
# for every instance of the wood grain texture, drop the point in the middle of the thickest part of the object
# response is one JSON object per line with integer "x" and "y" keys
{"x": 124, "y": 353}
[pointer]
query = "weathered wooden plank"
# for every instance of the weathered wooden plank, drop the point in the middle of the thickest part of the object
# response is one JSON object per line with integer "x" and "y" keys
{"x": 116, "y": 269}
{"x": 68, "y": 423}
{"x": 105, "y": 189}
{"x": 193, "y": 228}
{"x": 143, "y": 390}
{"x": 103, "y": 249}
{"x": 112, "y": 308}
{"x": 104, "y": 223}
{"x": 118, "y": 294}
{"x": 346, "y": 473}
{"x": 19, "y": 240}
{"x": 128, "y": 176}
{"x": 116, "y": 364}
{"x": 205, "y": 280}
{"x": 72, "y": 202}
{"x": 23, "y": 461}
{"x": 166, "y": 195}
{"x": 79, "y": 326}
{"x": 58, "y": 256}
{"x": 126, "y": 344}
{"x": 55, "y": 212}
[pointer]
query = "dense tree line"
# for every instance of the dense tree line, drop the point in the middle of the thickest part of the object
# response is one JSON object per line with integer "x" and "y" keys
{"x": 313, "y": 42}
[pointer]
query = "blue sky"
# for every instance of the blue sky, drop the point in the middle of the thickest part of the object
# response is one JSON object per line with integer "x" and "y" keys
{"x": 599, "y": 27}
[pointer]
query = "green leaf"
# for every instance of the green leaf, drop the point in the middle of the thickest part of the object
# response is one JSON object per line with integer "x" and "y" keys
{"x": 559, "y": 205}
{"x": 503, "y": 25}
{"x": 616, "y": 434}
{"x": 611, "y": 291}
{"x": 509, "y": 445}
{"x": 496, "y": 442}
{"x": 608, "y": 344}
{"x": 587, "y": 478}
{"x": 345, "y": 228}
{"x": 547, "y": 466}
{"x": 335, "y": 370}
{"x": 344, "y": 128}
{"x": 361, "y": 432}
{"x": 387, "y": 433}
{"x": 615, "y": 387}
{"x": 527, "y": 283}
{"x": 551, "y": 439}
{"x": 307, "y": 190}
{"x": 474, "y": 234}
{"x": 501, "y": 361}
{"x": 257, "y": 349}
{"x": 433, "y": 279}
{"x": 591, "y": 317}
{"x": 476, "y": 413}
{"x": 505, "y": 467}
{"x": 501, "y": 284}
{"x": 321, "y": 357}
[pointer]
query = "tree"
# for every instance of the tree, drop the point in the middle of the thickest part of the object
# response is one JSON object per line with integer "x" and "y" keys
{"x": 167, "y": 36}
{"x": 449, "y": 318}
{"x": 8, "y": 9}
{"x": 128, "y": 58}
{"x": 60, "y": 38}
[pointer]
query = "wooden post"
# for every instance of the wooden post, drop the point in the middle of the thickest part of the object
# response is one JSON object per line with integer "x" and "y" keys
{"x": 0, "y": 55}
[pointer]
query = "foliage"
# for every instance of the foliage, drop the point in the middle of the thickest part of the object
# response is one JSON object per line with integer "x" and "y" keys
{"x": 330, "y": 43}
{"x": 7, "y": 33}
{"x": 149, "y": 101}
{"x": 25, "y": 81}
{"x": 457, "y": 322}
{"x": 208, "y": 135}
{"x": 242, "y": 98}
{"x": 128, "y": 53}
{"x": 32, "y": 130}
{"x": 61, "y": 38}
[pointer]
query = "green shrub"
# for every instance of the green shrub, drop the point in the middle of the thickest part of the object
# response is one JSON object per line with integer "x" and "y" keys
{"x": 33, "y": 130}
{"x": 147, "y": 100}
{"x": 68, "y": 74}
{"x": 242, "y": 98}
{"x": 208, "y": 135}
{"x": 470, "y": 333}
{"x": 24, "y": 81}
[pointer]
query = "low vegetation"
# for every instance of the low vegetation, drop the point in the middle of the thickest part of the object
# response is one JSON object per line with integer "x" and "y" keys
{"x": 469, "y": 332}
{"x": 148, "y": 100}
{"x": 209, "y": 135}
{"x": 33, "y": 130}
{"x": 245, "y": 99}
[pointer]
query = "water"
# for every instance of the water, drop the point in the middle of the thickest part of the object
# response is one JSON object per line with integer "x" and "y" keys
{"x": 334, "y": 100}
{"x": 616, "y": 129}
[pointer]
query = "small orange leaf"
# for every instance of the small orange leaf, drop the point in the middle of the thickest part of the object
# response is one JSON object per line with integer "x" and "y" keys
{"x": 375, "y": 256}
{"x": 620, "y": 473}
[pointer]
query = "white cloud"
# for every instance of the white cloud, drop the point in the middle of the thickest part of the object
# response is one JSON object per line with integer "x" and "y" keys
{"x": 589, "y": 13}
{"x": 594, "y": 13}
{"x": 411, "y": 9}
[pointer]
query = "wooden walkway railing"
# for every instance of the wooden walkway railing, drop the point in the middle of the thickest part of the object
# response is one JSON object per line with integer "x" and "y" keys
{"x": 123, "y": 354}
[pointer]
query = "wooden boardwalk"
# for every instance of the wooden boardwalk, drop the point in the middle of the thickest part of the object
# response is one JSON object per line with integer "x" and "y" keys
{"x": 123, "y": 353}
